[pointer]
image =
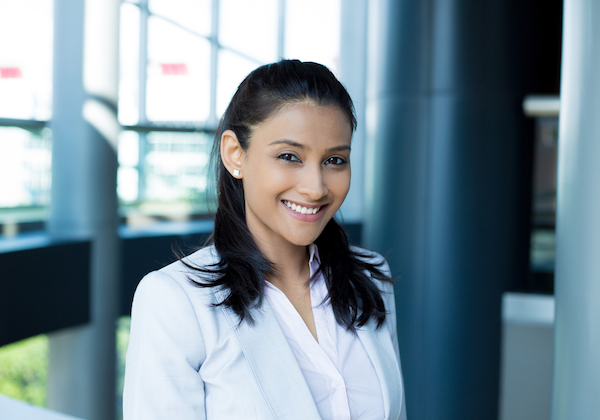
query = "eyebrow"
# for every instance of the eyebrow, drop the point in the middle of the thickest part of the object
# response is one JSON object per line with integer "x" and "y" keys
{"x": 303, "y": 147}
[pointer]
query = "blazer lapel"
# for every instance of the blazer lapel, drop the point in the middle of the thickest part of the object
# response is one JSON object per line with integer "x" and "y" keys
{"x": 379, "y": 347}
{"x": 273, "y": 364}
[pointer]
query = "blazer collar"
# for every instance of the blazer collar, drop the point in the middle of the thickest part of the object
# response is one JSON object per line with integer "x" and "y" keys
{"x": 273, "y": 364}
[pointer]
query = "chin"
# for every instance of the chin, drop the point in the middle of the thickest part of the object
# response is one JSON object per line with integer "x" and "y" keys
{"x": 305, "y": 237}
{"x": 303, "y": 242}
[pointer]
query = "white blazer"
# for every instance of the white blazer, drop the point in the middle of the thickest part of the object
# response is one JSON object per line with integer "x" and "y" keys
{"x": 190, "y": 360}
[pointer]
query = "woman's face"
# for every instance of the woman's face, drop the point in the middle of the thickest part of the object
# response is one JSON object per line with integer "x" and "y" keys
{"x": 296, "y": 173}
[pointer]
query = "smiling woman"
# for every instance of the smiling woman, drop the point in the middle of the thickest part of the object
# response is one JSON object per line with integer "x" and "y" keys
{"x": 298, "y": 162}
{"x": 280, "y": 318}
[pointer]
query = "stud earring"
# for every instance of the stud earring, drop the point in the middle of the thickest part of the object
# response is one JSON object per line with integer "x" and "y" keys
{"x": 236, "y": 173}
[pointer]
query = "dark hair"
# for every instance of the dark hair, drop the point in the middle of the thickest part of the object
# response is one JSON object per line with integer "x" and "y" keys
{"x": 243, "y": 268}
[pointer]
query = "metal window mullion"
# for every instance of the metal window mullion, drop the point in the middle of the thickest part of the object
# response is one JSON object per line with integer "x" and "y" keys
{"x": 142, "y": 166}
{"x": 143, "y": 62}
{"x": 214, "y": 64}
{"x": 25, "y": 124}
{"x": 281, "y": 30}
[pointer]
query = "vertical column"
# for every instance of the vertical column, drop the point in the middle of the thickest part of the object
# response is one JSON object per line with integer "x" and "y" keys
{"x": 397, "y": 148}
{"x": 448, "y": 170}
{"x": 84, "y": 201}
{"x": 353, "y": 69}
{"x": 576, "y": 382}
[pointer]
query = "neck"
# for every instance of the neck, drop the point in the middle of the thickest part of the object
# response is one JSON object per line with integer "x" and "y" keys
{"x": 291, "y": 263}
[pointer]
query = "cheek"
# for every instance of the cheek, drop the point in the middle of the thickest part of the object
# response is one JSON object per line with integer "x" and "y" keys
{"x": 340, "y": 184}
{"x": 265, "y": 182}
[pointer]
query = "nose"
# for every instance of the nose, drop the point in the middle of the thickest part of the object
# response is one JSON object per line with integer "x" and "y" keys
{"x": 312, "y": 183}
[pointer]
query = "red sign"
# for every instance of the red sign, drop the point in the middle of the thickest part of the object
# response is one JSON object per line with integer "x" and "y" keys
{"x": 176, "y": 69}
{"x": 10, "y": 73}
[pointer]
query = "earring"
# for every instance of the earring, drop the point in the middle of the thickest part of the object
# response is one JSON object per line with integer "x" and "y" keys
{"x": 236, "y": 173}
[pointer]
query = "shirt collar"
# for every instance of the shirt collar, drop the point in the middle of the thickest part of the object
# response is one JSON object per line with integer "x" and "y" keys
{"x": 314, "y": 260}
{"x": 313, "y": 254}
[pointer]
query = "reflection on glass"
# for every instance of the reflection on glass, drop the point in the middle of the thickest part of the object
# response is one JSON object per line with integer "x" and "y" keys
{"x": 25, "y": 165}
{"x": 232, "y": 70}
{"x": 178, "y": 86}
{"x": 26, "y": 59}
{"x": 250, "y": 27}
{"x": 129, "y": 64}
{"x": 312, "y": 31}
{"x": 163, "y": 173}
{"x": 192, "y": 14}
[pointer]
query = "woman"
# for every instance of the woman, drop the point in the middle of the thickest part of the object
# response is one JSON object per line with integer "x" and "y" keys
{"x": 279, "y": 318}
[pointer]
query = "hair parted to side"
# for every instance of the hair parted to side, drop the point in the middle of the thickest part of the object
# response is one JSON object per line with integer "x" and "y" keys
{"x": 243, "y": 269}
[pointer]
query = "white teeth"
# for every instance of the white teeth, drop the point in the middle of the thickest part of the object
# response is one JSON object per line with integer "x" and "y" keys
{"x": 300, "y": 209}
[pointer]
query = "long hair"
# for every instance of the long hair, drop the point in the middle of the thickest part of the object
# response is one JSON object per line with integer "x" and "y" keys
{"x": 243, "y": 269}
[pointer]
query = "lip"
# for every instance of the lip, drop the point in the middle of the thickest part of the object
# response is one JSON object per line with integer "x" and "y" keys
{"x": 304, "y": 217}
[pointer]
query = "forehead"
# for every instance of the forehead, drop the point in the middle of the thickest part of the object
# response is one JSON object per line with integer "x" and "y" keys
{"x": 307, "y": 123}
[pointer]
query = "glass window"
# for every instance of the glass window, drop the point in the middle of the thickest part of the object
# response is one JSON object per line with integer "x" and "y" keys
{"x": 25, "y": 164}
{"x": 26, "y": 59}
{"x": 250, "y": 27}
{"x": 129, "y": 65}
{"x": 178, "y": 86}
{"x": 232, "y": 70}
{"x": 312, "y": 31}
{"x": 163, "y": 173}
{"x": 24, "y": 370}
{"x": 191, "y": 14}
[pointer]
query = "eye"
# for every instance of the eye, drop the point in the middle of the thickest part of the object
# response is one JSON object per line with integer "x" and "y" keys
{"x": 336, "y": 161}
{"x": 289, "y": 157}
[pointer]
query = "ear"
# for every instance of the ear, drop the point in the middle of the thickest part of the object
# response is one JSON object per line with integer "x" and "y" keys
{"x": 232, "y": 153}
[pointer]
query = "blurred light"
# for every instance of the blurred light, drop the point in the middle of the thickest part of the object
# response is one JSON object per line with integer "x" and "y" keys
{"x": 10, "y": 73}
{"x": 174, "y": 69}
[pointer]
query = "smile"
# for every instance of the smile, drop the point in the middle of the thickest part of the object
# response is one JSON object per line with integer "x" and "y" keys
{"x": 300, "y": 209}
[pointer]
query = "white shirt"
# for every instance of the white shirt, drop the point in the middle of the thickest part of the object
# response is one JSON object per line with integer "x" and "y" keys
{"x": 337, "y": 369}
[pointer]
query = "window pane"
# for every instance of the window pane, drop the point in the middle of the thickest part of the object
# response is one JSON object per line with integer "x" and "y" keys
{"x": 250, "y": 27}
{"x": 312, "y": 31}
{"x": 129, "y": 64}
{"x": 24, "y": 370}
{"x": 193, "y": 14}
{"x": 232, "y": 70}
{"x": 26, "y": 59}
{"x": 178, "y": 87}
{"x": 163, "y": 174}
{"x": 25, "y": 163}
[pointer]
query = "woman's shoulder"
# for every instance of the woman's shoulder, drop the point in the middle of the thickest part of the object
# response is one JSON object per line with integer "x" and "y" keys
{"x": 180, "y": 274}
{"x": 376, "y": 259}
{"x": 371, "y": 257}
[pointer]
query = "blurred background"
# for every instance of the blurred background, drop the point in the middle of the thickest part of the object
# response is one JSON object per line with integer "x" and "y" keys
{"x": 107, "y": 115}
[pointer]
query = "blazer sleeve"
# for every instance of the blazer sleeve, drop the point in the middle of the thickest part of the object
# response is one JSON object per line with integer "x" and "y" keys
{"x": 390, "y": 304}
{"x": 165, "y": 352}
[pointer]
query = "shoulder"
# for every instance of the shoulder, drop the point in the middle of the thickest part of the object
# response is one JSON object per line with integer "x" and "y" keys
{"x": 174, "y": 281}
{"x": 372, "y": 257}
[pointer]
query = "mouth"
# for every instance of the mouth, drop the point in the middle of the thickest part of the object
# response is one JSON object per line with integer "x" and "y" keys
{"x": 301, "y": 209}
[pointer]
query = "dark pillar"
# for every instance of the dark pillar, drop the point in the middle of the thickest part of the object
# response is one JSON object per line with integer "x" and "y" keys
{"x": 448, "y": 187}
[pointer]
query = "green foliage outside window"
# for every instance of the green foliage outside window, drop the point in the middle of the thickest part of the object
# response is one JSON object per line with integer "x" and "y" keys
{"x": 24, "y": 370}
